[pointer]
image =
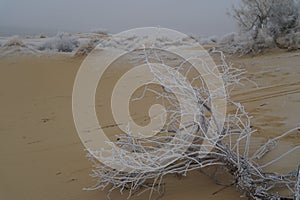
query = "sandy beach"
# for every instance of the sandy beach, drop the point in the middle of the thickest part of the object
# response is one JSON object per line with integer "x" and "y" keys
{"x": 42, "y": 157}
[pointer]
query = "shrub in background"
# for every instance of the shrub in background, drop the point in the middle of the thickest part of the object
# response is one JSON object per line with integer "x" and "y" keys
{"x": 62, "y": 42}
{"x": 14, "y": 41}
{"x": 85, "y": 48}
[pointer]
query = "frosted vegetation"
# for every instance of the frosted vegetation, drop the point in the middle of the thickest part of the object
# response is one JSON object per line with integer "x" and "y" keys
{"x": 82, "y": 44}
{"x": 62, "y": 42}
{"x": 101, "y": 31}
{"x": 15, "y": 45}
{"x": 263, "y": 24}
{"x": 149, "y": 163}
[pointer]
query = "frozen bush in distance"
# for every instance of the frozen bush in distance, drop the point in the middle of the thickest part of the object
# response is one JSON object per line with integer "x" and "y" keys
{"x": 100, "y": 31}
{"x": 14, "y": 41}
{"x": 86, "y": 47}
{"x": 269, "y": 21}
{"x": 209, "y": 41}
{"x": 62, "y": 42}
{"x": 228, "y": 38}
{"x": 15, "y": 46}
{"x": 245, "y": 44}
{"x": 42, "y": 35}
{"x": 291, "y": 41}
{"x": 296, "y": 38}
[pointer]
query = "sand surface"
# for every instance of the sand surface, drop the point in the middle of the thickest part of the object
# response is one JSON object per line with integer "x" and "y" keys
{"x": 41, "y": 156}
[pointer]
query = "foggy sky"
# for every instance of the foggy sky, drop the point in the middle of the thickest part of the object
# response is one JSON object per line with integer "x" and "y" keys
{"x": 201, "y": 17}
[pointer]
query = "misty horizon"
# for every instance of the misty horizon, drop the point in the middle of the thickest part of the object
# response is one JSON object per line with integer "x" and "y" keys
{"x": 203, "y": 18}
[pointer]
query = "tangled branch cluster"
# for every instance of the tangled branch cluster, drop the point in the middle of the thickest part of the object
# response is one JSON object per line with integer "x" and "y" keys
{"x": 163, "y": 154}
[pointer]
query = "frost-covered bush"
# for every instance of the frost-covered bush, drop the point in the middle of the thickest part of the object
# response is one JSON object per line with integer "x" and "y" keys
{"x": 209, "y": 41}
{"x": 275, "y": 17}
{"x": 244, "y": 43}
{"x": 85, "y": 48}
{"x": 228, "y": 38}
{"x": 266, "y": 23}
{"x": 296, "y": 39}
{"x": 42, "y": 35}
{"x": 100, "y": 31}
{"x": 14, "y": 41}
{"x": 15, "y": 46}
{"x": 283, "y": 17}
{"x": 62, "y": 42}
{"x": 133, "y": 165}
{"x": 290, "y": 41}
